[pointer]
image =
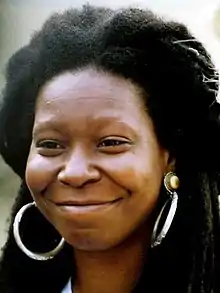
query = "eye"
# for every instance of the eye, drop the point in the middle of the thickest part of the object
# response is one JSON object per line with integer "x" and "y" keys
{"x": 111, "y": 143}
{"x": 114, "y": 145}
{"x": 49, "y": 147}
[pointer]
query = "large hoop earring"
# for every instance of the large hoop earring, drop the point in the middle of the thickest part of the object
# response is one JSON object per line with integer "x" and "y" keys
{"x": 36, "y": 256}
{"x": 171, "y": 183}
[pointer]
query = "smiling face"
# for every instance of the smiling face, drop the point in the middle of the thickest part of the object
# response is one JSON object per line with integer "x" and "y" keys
{"x": 95, "y": 166}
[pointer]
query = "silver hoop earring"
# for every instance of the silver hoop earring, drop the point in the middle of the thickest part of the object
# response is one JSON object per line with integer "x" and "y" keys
{"x": 171, "y": 183}
{"x": 37, "y": 256}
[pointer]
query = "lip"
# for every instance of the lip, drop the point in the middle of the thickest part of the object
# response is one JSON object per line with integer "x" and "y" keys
{"x": 83, "y": 203}
{"x": 85, "y": 206}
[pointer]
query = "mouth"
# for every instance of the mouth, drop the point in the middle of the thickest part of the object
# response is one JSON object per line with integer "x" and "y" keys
{"x": 83, "y": 207}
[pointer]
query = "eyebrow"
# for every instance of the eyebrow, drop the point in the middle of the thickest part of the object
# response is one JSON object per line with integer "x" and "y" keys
{"x": 54, "y": 125}
{"x": 45, "y": 125}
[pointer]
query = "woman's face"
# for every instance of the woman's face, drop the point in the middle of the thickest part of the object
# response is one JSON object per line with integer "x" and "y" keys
{"x": 95, "y": 166}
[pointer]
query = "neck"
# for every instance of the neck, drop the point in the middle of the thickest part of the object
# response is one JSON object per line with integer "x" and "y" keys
{"x": 116, "y": 270}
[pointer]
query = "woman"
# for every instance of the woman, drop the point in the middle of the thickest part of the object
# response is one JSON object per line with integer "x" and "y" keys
{"x": 110, "y": 119}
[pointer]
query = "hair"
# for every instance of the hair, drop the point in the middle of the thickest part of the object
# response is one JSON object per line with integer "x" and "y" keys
{"x": 179, "y": 85}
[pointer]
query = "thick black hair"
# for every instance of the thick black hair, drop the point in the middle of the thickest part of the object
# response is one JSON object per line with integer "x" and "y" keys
{"x": 179, "y": 85}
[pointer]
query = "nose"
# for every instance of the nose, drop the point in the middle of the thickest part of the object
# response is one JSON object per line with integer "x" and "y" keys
{"x": 78, "y": 170}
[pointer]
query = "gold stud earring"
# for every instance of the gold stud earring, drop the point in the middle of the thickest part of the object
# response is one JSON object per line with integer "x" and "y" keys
{"x": 171, "y": 182}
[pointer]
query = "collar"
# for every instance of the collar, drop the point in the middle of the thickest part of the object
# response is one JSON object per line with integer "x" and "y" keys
{"x": 67, "y": 288}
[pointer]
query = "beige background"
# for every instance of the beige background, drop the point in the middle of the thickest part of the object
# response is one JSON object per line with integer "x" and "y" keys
{"x": 20, "y": 18}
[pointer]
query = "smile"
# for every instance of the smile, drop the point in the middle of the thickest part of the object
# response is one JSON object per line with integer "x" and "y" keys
{"x": 80, "y": 208}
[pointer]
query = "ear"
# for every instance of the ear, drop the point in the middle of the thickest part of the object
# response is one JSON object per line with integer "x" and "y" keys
{"x": 171, "y": 164}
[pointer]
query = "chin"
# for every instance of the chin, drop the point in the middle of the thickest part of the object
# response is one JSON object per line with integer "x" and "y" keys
{"x": 91, "y": 243}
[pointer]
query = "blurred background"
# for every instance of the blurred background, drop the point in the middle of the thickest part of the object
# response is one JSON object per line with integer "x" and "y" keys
{"x": 20, "y": 18}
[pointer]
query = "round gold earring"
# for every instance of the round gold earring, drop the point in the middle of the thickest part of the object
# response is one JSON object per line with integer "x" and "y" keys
{"x": 171, "y": 182}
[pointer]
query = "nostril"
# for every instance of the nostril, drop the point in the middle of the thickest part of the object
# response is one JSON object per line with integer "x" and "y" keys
{"x": 93, "y": 180}
{"x": 63, "y": 183}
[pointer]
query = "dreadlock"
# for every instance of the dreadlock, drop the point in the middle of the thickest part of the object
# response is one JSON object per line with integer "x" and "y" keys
{"x": 179, "y": 85}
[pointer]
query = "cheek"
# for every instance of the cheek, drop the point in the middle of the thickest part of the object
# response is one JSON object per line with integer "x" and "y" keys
{"x": 39, "y": 172}
{"x": 137, "y": 171}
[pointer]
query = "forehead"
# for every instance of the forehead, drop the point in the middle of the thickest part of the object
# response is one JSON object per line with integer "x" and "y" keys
{"x": 89, "y": 101}
{"x": 89, "y": 87}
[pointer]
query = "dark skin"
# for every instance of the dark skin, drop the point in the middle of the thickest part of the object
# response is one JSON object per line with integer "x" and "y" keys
{"x": 95, "y": 170}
